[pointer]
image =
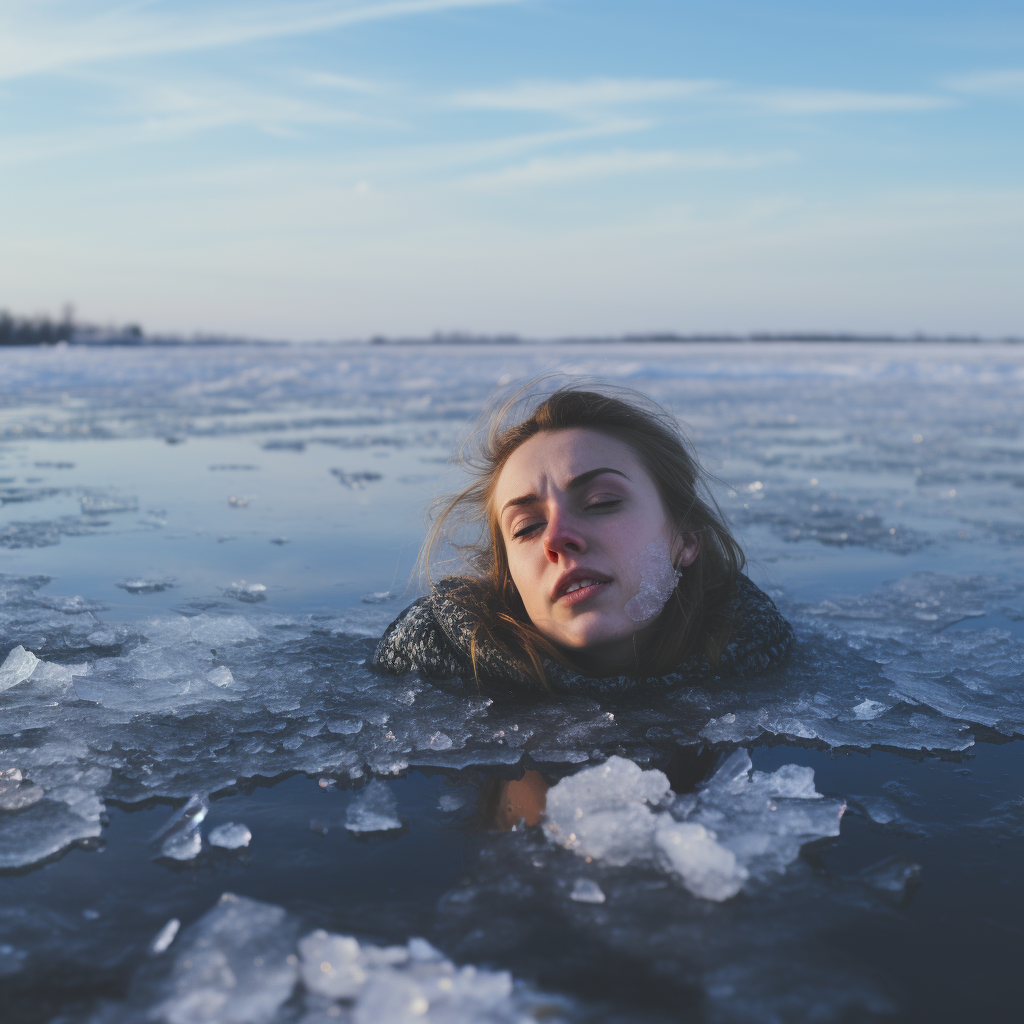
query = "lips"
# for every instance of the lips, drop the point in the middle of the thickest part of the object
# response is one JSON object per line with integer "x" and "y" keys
{"x": 578, "y": 585}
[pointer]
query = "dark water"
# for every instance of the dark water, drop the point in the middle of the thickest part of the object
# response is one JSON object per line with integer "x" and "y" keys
{"x": 899, "y": 561}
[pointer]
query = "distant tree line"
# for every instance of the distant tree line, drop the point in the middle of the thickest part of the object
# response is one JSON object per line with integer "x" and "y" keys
{"x": 41, "y": 330}
{"x": 34, "y": 331}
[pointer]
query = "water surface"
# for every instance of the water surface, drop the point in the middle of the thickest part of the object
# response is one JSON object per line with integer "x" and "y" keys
{"x": 201, "y": 544}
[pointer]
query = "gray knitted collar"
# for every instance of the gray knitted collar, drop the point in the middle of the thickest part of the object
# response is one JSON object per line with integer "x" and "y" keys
{"x": 460, "y": 625}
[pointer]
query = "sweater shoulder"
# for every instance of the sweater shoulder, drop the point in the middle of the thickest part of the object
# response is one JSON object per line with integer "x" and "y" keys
{"x": 761, "y": 637}
{"x": 415, "y": 640}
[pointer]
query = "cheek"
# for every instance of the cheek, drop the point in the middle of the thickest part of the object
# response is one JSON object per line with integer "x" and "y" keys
{"x": 655, "y": 578}
{"x": 524, "y": 576}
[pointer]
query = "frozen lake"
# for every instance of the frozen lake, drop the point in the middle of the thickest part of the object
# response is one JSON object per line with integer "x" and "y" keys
{"x": 198, "y": 548}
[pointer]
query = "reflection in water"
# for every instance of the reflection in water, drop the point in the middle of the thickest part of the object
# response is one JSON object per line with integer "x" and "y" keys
{"x": 507, "y": 803}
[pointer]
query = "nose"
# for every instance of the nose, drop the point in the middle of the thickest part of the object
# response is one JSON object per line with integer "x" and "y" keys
{"x": 562, "y": 536}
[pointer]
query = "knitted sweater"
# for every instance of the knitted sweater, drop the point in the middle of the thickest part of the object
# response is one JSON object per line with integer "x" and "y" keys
{"x": 434, "y": 636}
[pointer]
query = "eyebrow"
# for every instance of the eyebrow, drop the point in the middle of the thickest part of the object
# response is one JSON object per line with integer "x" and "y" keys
{"x": 574, "y": 484}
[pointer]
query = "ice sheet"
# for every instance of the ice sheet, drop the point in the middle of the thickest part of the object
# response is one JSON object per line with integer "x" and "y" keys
{"x": 260, "y": 694}
{"x": 842, "y": 466}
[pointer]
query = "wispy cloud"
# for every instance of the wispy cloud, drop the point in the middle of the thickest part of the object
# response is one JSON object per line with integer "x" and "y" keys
{"x": 590, "y": 97}
{"x": 175, "y": 108}
{"x": 37, "y": 37}
{"x": 1007, "y": 82}
{"x": 843, "y": 101}
{"x": 180, "y": 109}
{"x": 552, "y": 170}
{"x": 582, "y": 98}
{"x": 172, "y": 109}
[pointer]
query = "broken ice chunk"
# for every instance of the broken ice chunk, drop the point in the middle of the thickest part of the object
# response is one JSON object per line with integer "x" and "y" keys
{"x": 179, "y": 836}
{"x": 391, "y": 997}
{"x": 103, "y": 504}
{"x": 401, "y": 984}
{"x": 17, "y": 667}
{"x": 234, "y": 965}
{"x": 585, "y": 890}
{"x": 765, "y": 818}
{"x": 707, "y": 869}
{"x": 739, "y": 825}
{"x": 164, "y": 937}
{"x": 373, "y": 810}
{"x": 230, "y": 836}
{"x": 15, "y": 794}
{"x": 142, "y": 585}
{"x": 220, "y": 676}
{"x": 182, "y": 845}
{"x": 49, "y": 673}
{"x": 345, "y": 726}
{"x": 440, "y": 741}
{"x": 188, "y": 817}
{"x": 71, "y": 814}
{"x": 331, "y": 965}
{"x": 355, "y": 481}
{"x": 604, "y": 811}
{"x": 869, "y": 709}
{"x": 248, "y": 592}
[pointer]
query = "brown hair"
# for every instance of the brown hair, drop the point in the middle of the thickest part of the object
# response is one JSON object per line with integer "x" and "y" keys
{"x": 688, "y": 625}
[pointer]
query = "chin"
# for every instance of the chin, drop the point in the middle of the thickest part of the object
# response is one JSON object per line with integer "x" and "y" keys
{"x": 595, "y": 632}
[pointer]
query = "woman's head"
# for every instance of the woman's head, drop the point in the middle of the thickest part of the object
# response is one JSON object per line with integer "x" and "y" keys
{"x": 601, "y": 547}
{"x": 587, "y": 540}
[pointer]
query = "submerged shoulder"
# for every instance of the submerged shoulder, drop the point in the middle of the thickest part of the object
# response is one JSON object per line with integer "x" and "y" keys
{"x": 760, "y": 637}
{"x": 440, "y": 636}
{"x": 416, "y": 640}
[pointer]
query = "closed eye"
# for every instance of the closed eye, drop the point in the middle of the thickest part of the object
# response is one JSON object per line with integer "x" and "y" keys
{"x": 603, "y": 504}
{"x": 525, "y": 531}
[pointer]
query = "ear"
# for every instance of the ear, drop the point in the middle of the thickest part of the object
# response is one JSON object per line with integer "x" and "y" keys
{"x": 685, "y": 549}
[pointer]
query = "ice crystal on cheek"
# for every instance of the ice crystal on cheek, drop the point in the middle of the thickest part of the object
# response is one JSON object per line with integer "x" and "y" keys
{"x": 658, "y": 578}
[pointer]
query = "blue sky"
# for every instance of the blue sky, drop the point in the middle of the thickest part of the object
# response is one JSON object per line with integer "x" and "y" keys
{"x": 341, "y": 168}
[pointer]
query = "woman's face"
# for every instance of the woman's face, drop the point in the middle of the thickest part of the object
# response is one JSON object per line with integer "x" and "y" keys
{"x": 591, "y": 548}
